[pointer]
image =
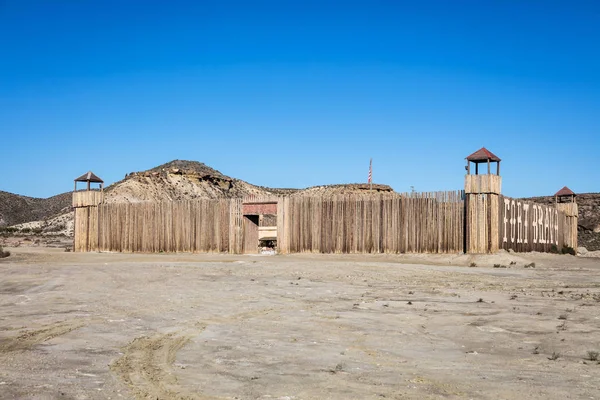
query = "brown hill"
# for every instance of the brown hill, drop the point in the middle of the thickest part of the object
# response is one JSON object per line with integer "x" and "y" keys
{"x": 16, "y": 209}
{"x": 179, "y": 180}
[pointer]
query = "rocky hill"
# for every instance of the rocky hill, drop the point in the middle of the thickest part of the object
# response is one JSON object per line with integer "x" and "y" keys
{"x": 180, "y": 180}
{"x": 16, "y": 209}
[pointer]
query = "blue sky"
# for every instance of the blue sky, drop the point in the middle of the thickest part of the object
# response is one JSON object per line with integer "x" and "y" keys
{"x": 301, "y": 93}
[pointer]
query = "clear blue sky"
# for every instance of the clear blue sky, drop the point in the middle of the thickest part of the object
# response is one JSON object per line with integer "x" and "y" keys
{"x": 301, "y": 93}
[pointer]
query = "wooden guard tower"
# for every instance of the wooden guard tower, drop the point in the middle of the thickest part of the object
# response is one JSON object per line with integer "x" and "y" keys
{"x": 482, "y": 197}
{"x": 85, "y": 203}
{"x": 565, "y": 202}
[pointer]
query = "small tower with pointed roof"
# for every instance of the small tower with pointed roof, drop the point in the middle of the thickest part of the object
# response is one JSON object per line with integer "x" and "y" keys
{"x": 564, "y": 195}
{"x": 85, "y": 204}
{"x": 483, "y": 183}
{"x": 565, "y": 202}
{"x": 482, "y": 196}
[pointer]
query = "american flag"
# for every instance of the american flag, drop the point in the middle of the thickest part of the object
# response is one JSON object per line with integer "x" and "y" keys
{"x": 370, "y": 170}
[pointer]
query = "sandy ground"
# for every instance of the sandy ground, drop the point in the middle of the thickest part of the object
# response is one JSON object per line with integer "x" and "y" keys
{"x": 109, "y": 326}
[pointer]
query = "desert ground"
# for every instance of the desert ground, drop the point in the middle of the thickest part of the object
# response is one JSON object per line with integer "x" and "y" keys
{"x": 171, "y": 326}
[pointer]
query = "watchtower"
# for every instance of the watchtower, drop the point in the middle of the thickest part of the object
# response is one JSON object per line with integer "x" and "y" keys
{"x": 85, "y": 203}
{"x": 565, "y": 202}
{"x": 482, "y": 200}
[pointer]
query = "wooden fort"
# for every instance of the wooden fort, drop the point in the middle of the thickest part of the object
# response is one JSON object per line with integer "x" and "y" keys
{"x": 478, "y": 219}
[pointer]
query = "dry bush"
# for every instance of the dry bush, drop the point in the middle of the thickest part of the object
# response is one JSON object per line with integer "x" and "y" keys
{"x": 593, "y": 355}
{"x": 3, "y": 253}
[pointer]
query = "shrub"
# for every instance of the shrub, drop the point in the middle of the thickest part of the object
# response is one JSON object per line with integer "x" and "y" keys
{"x": 472, "y": 265}
{"x": 554, "y": 249}
{"x": 532, "y": 265}
{"x": 568, "y": 250}
{"x": 555, "y": 356}
{"x": 593, "y": 355}
{"x": 4, "y": 254}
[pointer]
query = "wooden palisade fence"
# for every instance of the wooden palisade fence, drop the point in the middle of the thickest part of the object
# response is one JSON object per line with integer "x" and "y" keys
{"x": 177, "y": 226}
{"x": 476, "y": 220}
{"x": 439, "y": 222}
{"x": 418, "y": 223}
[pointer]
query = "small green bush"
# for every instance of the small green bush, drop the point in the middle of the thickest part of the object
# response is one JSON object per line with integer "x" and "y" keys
{"x": 554, "y": 249}
{"x": 593, "y": 355}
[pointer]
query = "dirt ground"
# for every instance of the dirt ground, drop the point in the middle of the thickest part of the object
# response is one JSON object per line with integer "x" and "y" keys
{"x": 109, "y": 326}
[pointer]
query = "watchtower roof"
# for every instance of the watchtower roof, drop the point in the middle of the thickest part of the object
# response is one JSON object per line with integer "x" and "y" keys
{"x": 565, "y": 191}
{"x": 483, "y": 155}
{"x": 89, "y": 177}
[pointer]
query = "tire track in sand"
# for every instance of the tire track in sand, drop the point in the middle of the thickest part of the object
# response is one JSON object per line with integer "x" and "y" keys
{"x": 147, "y": 365}
{"x": 28, "y": 339}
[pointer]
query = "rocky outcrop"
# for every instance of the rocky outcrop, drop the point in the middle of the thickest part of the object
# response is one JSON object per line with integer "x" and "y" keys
{"x": 180, "y": 180}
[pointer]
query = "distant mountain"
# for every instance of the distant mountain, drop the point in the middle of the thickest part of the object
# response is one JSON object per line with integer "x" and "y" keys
{"x": 16, "y": 209}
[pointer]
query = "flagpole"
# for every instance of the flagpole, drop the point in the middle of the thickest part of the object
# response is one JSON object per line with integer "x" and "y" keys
{"x": 370, "y": 175}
